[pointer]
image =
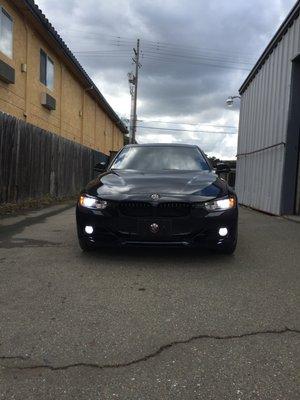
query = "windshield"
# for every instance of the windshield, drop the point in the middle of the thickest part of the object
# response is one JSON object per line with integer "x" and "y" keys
{"x": 155, "y": 158}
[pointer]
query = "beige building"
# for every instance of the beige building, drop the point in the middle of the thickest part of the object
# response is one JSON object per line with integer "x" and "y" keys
{"x": 42, "y": 83}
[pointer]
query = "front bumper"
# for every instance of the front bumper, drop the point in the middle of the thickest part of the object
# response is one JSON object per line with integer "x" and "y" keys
{"x": 199, "y": 228}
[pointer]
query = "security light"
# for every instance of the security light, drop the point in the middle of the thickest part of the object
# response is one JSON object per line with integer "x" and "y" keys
{"x": 230, "y": 99}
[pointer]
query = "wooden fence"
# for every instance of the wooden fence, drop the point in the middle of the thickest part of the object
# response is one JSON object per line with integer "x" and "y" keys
{"x": 35, "y": 163}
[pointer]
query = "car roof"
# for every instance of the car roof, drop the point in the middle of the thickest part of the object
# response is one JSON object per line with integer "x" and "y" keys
{"x": 161, "y": 145}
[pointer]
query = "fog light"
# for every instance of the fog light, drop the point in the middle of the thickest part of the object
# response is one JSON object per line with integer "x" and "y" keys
{"x": 89, "y": 229}
{"x": 223, "y": 231}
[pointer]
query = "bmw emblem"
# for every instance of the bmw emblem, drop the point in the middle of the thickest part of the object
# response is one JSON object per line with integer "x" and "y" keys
{"x": 155, "y": 196}
{"x": 154, "y": 228}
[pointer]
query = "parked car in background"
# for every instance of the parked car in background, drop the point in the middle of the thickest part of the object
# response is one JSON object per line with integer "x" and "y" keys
{"x": 158, "y": 195}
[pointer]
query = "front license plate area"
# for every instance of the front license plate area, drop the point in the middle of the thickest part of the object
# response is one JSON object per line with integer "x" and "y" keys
{"x": 154, "y": 229}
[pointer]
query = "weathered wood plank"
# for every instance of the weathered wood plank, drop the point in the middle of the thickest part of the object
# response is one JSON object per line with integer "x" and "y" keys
{"x": 36, "y": 163}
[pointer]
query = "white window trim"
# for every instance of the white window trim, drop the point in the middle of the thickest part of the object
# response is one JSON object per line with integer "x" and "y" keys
{"x": 48, "y": 59}
{"x": 2, "y": 8}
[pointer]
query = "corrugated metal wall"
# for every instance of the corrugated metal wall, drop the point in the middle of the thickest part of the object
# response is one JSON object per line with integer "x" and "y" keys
{"x": 263, "y": 123}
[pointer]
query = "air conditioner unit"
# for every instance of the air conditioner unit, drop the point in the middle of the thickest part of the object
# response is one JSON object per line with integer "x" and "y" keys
{"x": 48, "y": 101}
{"x": 7, "y": 73}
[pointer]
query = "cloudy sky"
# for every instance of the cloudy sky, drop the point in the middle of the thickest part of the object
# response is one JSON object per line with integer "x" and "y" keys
{"x": 195, "y": 54}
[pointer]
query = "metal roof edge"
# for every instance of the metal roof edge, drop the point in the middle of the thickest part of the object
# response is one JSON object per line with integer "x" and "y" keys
{"x": 37, "y": 12}
{"x": 287, "y": 23}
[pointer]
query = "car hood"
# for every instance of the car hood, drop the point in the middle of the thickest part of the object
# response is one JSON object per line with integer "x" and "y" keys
{"x": 129, "y": 185}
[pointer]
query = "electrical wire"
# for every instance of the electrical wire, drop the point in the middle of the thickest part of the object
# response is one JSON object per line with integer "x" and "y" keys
{"x": 161, "y": 55}
{"x": 187, "y": 123}
{"x": 184, "y": 130}
{"x": 160, "y": 46}
{"x": 201, "y": 56}
{"x": 198, "y": 63}
{"x": 169, "y": 59}
{"x": 199, "y": 53}
{"x": 164, "y": 46}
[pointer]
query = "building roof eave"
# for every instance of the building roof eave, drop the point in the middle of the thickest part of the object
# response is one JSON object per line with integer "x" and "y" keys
{"x": 36, "y": 12}
{"x": 287, "y": 23}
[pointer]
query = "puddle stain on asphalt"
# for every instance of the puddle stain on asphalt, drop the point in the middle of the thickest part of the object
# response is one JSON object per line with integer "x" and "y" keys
{"x": 7, "y": 234}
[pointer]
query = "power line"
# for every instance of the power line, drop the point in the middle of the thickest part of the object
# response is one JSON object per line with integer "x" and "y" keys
{"x": 169, "y": 59}
{"x": 198, "y": 53}
{"x": 184, "y": 52}
{"x": 201, "y": 56}
{"x": 184, "y": 130}
{"x": 100, "y": 52}
{"x": 103, "y": 55}
{"x": 159, "y": 45}
{"x": 158, "y": 60}
{"x": 151, "y": 54}
{"x": 169, "y": 52}
{"x": 163, "y": 46}
{"x": 187, "y": 123}
{"x": 190, "y": 57}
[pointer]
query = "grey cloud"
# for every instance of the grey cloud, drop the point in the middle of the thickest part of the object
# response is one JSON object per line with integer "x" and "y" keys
{"x": 183, "y": 88}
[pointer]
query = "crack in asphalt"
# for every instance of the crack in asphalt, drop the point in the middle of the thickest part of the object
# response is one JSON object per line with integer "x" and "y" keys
{"x": 24, "y": 358}
{"x": 146, "y": 357}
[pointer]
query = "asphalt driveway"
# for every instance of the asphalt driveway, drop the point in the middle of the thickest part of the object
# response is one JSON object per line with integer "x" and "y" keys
{"x": 148, "y": 324}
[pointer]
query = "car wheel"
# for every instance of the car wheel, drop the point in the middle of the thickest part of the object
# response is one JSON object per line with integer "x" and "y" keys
{"x": 85, "y": 245}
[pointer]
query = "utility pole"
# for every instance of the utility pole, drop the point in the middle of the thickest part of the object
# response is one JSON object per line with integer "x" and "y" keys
{"x": 133, "y": 81}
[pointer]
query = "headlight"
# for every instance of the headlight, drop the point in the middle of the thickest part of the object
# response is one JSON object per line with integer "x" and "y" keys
{"x": 221, "y": 204}
{"x": 92, "y": 202}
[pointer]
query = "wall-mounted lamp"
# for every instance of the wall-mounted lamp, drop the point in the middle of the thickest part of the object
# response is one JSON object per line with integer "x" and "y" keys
{"x": 23, "y": 67}
{"x": 230, "y": 100}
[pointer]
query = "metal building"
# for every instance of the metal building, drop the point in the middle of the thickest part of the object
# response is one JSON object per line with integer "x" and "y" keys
{"x": 268, "y": 166}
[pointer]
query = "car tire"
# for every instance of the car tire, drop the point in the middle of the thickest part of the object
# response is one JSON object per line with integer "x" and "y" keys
{"x": 85, "y": 245}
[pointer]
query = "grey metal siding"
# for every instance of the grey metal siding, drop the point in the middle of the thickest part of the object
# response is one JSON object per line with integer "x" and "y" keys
{"x": 263, "y": 123}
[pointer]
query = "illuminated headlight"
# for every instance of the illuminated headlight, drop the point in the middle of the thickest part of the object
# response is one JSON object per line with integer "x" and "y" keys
{"x": 89, "y": 229}
{"x": 224, "y": 203}
{"x": 92, "y": 202}
{"x": 223, "y": 232}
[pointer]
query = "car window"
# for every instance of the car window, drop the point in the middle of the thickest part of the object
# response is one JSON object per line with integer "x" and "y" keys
{"x": 160, "y": 158}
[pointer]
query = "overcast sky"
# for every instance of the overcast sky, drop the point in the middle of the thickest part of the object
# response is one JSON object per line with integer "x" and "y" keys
{"x": 195, "y": 54}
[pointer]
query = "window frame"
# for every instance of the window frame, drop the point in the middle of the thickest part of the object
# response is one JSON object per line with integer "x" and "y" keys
{"x": 4, "y": 12}
{"x": 44, "y": 79}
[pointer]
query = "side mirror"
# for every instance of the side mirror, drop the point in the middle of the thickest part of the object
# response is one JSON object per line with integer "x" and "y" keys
{"x": 101, "y": 166}
{"x": 222, "y": 168}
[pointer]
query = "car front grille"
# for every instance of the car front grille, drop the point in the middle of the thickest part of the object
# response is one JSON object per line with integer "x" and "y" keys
{"x": 146, "y": 209}
{"x": 135, "y": 209}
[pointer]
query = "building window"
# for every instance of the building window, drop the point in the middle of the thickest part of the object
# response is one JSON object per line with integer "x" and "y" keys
{"x": 6, "y": 33}
{"x": 46, "y": 70}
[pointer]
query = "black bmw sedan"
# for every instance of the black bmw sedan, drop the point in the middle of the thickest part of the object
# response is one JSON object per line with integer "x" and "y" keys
{"x": 158, "y": 195}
